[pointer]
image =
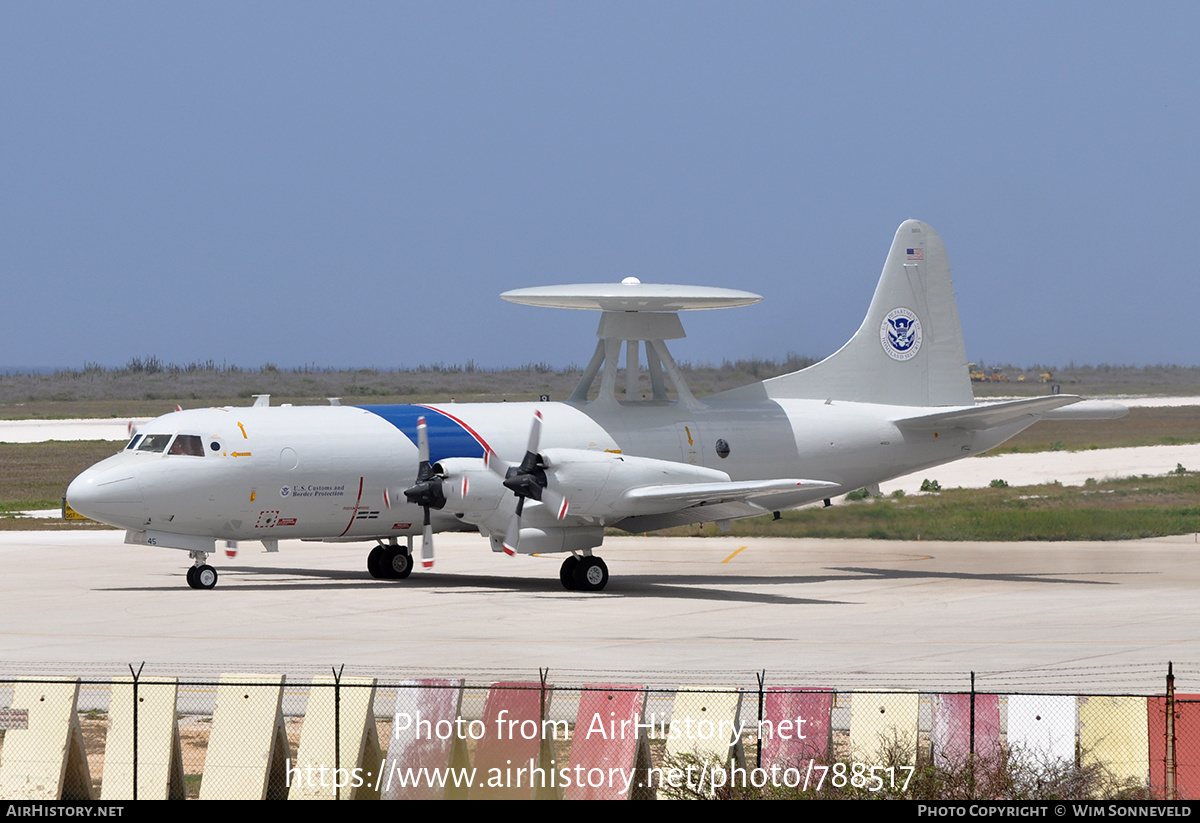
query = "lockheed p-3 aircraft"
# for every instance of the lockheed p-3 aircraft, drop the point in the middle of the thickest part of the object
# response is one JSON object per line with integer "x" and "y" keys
{"x": 630, "y": 449}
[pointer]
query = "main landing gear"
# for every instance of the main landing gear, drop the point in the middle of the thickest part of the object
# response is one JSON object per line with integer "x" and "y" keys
{"x": 583, "y": 574}
{"x": 579, "y": 573}
{"x": 390, "y": 562}
{"x": 201, "y": 575}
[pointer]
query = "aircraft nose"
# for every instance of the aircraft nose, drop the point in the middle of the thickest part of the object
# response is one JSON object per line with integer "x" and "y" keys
{"x": 108, "y": 494}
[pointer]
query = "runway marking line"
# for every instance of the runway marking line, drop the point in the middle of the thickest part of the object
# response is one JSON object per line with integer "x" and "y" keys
{"x": 735, "y": 554}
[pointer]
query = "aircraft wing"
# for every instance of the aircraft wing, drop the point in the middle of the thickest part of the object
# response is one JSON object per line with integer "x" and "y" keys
{"x": 708, "y": 502}
{"x": 695, "y": 494}
{"x": 692, "y": 514}
{"x": 994, "y": 414}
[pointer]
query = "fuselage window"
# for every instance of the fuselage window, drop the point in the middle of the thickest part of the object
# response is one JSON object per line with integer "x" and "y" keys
{"x": 188, "y": 444}
{"x": 154, "y": 443}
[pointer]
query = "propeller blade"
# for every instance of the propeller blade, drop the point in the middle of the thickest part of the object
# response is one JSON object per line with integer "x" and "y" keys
{"x": 555, "y": 502}
{"x": 535, "y": 433}
{"x": 512, "y": 537}
{"x": 457, "y": 488}
{"x": 422, "y": 448}
{"x": 427, "y": 543}
{"x": 497, "y": 466}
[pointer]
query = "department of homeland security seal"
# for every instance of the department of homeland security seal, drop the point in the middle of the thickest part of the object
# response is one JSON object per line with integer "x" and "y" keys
{"x": 900, "y": 334}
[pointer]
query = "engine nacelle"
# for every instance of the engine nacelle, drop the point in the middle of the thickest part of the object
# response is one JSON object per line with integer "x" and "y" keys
{"x": 553, "y": 539}
{"x": 470, "y": 487}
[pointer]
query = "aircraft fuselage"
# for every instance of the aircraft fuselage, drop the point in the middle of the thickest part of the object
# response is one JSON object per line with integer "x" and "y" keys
{"x": 322, "y": 471}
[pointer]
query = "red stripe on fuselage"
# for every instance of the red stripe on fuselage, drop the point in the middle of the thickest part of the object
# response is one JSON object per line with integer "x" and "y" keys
{"x": 354, "y": 511}
{"x": 466, "y": 428}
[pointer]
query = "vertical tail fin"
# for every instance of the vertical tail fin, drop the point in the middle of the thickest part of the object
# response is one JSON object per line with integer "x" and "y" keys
{"x": 908, "y": 351}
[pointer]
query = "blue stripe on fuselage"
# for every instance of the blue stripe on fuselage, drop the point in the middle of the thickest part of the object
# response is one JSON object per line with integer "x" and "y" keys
{"x": 447, "y": 437}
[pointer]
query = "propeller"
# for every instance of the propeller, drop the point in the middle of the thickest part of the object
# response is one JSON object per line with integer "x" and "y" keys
{"x": 526, "y": 481}
{"x": 427, "y": 492}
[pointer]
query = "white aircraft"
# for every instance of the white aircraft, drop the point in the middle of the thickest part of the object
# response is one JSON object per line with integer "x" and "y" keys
{"x": 550, "y": 477}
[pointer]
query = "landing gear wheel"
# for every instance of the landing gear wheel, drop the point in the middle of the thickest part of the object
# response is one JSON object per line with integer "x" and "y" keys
{"x": 375, "y": 562}
{"x": 591, "y": 575}
{"x": 191, "y": 577}
{"x": 204, "y": 577}
{"x": 396, "y": 563}
{"x": 567, "y": 573}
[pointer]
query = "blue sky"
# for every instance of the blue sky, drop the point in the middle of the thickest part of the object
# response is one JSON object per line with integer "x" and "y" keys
{"x": 354, "y": 184}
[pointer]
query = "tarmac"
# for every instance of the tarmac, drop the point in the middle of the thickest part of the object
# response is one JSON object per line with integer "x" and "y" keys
{"x": 1084, "y": 617}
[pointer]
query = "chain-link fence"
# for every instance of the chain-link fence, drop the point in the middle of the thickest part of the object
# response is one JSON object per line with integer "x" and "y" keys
{"x": 334, "y": 737}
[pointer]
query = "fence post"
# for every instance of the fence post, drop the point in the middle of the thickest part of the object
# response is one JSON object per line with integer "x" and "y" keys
{"x": 543, "y": 674}
{"x": 762, "y": 678}
{"x": 1169, "y": 760}
{"x": 337, "y": 730}
{"x": 971, "y": 757}
{"x": 135, "y": 723}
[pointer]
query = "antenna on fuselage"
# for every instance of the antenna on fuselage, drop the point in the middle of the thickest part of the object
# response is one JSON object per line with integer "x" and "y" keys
{"x": 637, "y": 314}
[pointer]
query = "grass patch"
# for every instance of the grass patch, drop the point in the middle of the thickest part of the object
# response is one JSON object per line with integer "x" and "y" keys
{"x": 1172, "y": 426}
{"x": 36, "y": 475}
{"x": 1123, "y": 509}
{"x": 8, "y": 507}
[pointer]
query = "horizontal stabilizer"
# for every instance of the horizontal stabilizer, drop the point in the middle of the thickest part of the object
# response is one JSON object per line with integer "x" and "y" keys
{"x": 989, "y": 416}
{"x": 694, "y": 494}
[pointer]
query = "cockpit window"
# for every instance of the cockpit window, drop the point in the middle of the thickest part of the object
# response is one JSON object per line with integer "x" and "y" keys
{"x": 154, "y": 443}
{"x": 133, "y": 442}
{"x": 188, "y": 444}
